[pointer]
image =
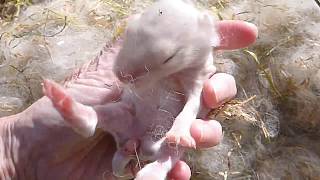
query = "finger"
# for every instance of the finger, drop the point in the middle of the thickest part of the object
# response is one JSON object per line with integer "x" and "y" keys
{"x": 181, "y": 171}
{"x": 235, "y": 34}
{"x": 220, "y": 88}
{"x": 206, "y": 133}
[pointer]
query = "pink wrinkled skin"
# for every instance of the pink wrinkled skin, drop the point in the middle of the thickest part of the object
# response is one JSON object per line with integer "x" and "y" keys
{"x": 95, "y": 94}
{"x": 163, "y": 72}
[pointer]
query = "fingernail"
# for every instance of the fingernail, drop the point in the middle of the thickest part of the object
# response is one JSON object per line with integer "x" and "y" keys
{"x": 218, "y": 89}
{"x": 253, "y": 27}
{"x": 207, "y": 133}
{"x": 201, "y": 139}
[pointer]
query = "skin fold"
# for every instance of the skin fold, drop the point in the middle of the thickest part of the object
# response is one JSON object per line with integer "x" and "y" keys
{"x": 38, "y": 144}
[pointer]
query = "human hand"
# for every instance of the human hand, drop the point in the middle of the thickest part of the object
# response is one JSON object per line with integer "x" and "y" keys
{"x": 217, "y": 90}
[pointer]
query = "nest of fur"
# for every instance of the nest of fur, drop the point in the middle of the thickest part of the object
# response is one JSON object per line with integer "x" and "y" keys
{"x": 271, "y": 129}
{"x": 11, "y": 8}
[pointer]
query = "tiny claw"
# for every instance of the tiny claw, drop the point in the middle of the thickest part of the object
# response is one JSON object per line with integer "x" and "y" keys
{"x": 181, "y": 139}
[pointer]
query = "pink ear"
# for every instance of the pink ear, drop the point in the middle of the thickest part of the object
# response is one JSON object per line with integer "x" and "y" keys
{"x": 235, "y": 34}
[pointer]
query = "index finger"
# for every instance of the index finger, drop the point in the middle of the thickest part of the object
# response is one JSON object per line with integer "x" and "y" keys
{"x": 220, "y": 88}
{"x": 206, "y": 133}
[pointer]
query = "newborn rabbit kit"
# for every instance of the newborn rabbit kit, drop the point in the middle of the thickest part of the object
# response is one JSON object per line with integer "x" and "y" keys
{"x": 166, "y": 56}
